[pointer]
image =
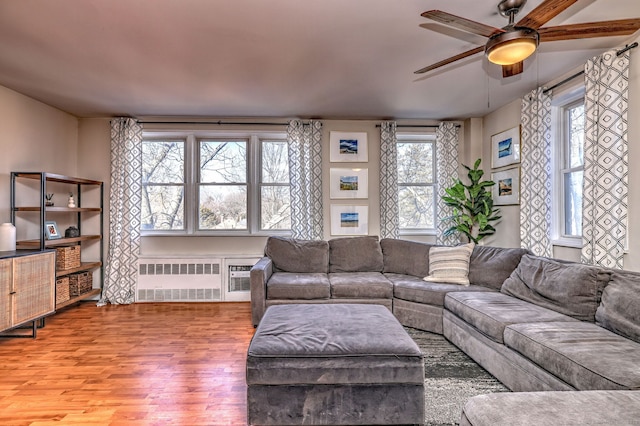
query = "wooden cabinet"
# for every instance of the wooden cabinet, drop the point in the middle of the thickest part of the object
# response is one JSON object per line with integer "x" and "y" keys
{"x": 29, "y": 203}
{"x": 27, "y": 287}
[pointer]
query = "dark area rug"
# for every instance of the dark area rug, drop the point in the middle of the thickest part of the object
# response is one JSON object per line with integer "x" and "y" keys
{"x": 451, "y": 377}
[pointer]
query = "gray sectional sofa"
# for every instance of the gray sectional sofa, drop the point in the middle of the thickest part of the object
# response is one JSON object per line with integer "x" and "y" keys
{"x": 536, "y": 324}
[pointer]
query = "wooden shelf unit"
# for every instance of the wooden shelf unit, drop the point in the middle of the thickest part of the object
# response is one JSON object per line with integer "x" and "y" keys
{"x": 49, "y": 212}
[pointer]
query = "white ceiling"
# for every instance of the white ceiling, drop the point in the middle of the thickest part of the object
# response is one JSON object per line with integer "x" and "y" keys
{"x": 276, "y": 58}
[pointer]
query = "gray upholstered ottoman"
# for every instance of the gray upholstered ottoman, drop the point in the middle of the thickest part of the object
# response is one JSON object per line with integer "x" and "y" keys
{"x": 333, "y": 364}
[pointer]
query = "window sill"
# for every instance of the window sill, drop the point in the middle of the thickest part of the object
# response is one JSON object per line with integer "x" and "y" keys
{"x": 567, "y": 242}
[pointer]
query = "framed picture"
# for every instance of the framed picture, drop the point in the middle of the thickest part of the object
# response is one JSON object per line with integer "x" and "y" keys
{"x": 506, "y": 191}
{"x": 349, "y": 183}
{"x": 349, "y": 220}
{"x": 348, "y": 147}
{"x": 505, "y": 148}
{"x": 51, "y": 230}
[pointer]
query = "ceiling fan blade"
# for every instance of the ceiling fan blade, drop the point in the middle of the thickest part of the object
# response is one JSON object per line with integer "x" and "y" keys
{"x": 511, "y": 70}
{"x": 450, "y": 60}
{"x": 542, "y": 14}
{"x": 619, "y": 27}
{"x": 461, "y": 23}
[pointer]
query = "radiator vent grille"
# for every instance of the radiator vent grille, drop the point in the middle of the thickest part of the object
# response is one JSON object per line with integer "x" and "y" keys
{"x": 179, "y": 269}
{"x": 179, "y": 280}
{"x": 179, "y": 295}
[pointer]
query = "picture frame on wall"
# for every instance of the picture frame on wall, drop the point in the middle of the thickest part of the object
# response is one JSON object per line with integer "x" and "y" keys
{"x": 505, "y": 148}
{"x": 348, "y": 147}
{"x": 349, "y": 220}
{"x": 51, "y": 230}
{"x": 506, "y": 191}
{"x": 348, "y": 183}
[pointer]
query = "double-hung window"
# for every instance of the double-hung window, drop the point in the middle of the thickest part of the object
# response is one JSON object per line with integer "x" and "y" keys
{"x": 416, "y": 183}
{"x": 208, "y": 183}
{"x": 569, "y": 149}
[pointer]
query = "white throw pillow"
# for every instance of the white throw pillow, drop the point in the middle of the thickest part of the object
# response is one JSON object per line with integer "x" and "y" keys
{"x": 450, "y": 264}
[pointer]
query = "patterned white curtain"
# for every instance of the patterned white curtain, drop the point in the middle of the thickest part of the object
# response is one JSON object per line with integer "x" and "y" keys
{"x": 606, "y": 164}
{"x": 389, "y": 219}
{"x": 305, "y": 174}
{"x": 446, "y": 171}
{"x": 124, "y": 212}
{"x": 535, "y": 179}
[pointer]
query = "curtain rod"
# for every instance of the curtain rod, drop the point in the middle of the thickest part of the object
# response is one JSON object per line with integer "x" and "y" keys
{"x": 432, "y": 126}
{"x": 258, "y": 123}
{"x": 578, "y": 74}
{"x": 219, "y": 123}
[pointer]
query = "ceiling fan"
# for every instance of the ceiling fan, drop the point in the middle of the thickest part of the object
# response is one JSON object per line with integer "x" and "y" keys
{"x": 510, "y": 45}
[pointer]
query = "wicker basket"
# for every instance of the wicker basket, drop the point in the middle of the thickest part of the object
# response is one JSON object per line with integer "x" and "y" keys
{"x": 80, "y": 283}
{"x": 67, "y": 257}
{"x": 62, "y": 289}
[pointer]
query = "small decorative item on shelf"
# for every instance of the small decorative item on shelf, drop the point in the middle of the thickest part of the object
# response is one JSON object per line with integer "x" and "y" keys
{"x": 48, "y": 197}
{"x": 72, "y": 202}
{"x": 7, "y": 237}
{"x": 71, "y": 232}
{"x": 51, "y": 230}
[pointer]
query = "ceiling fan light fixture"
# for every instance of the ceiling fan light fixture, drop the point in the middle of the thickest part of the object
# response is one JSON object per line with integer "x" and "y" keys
{"x": 512, "y": 46}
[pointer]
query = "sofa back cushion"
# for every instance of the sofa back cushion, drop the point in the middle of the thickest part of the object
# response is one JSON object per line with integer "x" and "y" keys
{"x": 619, "y": 310}
{"x": 569, "y": 288}
{"x": 491, "y": 266}
{"x": 405, "y": 257}
{"x": 355, "y": 254}
{"x": 292, "y": 255}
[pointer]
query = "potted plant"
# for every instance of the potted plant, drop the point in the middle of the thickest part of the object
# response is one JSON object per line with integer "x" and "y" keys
{"x": 472, "y": 205}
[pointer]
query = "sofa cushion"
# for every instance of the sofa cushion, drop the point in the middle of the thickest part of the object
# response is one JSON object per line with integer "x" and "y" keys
{"x": 552, "y": 408}
{"x": 619, "y": 309}
{"x": 362, "y": 285}
{"x": 449, "y": 264}
{"x": 491, "y": 312}
{"x": 355, "y": 254}
{"x": 289, "y": 285}
{"x": 405, "y": 257}
{"x": 292, "y": 255}
{"x": 570, "y": 288}
{"x": 491, "y": 266}
{"x": 582, "y": 354}
{"x": 414, "y": 289}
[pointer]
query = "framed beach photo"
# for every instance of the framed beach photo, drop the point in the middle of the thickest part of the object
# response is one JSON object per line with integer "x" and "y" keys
{"x": 349, "y": 220}
{"x": 505, "y": 148}
{"x": 349, "y": 183}
{"x": 348, "y": 147}
{"x": 506, "y": 191}
{"x": 51, "y": 230}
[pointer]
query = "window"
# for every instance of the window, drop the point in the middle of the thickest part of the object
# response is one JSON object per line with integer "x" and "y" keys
{"x": 416, "y": 182}
{"x": 569, "y": 148}
{"x": 573, "y": 145}
{"x": 163, "y": 185}
{"x": 208, "y": 183}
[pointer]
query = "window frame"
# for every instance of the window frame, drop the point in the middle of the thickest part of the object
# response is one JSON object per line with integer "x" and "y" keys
{"x": 561, "y": 104}
{"x": 430, "y": 138}
{"x": 192, "y": 183}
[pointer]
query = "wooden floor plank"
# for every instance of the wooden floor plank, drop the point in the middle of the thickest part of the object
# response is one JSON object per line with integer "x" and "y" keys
{"x": 147, "y": 364}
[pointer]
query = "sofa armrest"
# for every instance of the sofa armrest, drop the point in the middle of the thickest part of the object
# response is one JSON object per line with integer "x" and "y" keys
{"x": 259, "y": 275}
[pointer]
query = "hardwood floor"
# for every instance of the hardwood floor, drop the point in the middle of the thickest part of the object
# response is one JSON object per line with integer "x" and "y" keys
{"x": 141, "y": 364}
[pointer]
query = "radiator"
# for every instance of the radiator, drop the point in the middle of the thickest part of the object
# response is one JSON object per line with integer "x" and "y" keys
{"x": 190, "y": 279}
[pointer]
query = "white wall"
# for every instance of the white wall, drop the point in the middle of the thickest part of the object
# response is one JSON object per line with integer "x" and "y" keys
{"x": 35, "y": 138}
